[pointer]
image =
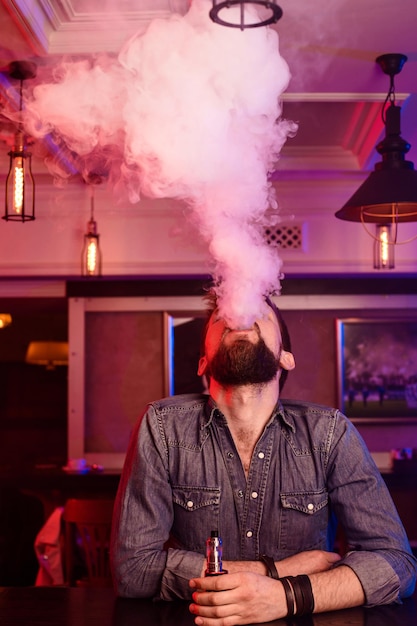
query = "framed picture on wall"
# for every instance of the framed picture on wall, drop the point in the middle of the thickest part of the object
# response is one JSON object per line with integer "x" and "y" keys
{"x": 377, "y": 368}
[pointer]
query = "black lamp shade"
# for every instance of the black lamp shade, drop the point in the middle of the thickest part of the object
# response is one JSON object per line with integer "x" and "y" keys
{"x": 220, "y": 13}
{"x": 387, "y": 195}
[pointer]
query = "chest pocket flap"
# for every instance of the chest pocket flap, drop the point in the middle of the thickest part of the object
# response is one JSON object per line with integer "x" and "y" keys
{"x": 308, "y": 502}
{"x": 194, "y": 498}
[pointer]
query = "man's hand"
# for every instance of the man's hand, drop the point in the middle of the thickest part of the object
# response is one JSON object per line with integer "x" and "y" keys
{"x": 243, "y": 598}
{"x": 247, "y": 598}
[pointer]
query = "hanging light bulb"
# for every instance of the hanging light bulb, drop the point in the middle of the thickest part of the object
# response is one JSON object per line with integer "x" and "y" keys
{"x": 20, "y": 184}
{"x": 18, "y": 177}
{"x": 385, "y": 240}
{"x": 91, "y": 254}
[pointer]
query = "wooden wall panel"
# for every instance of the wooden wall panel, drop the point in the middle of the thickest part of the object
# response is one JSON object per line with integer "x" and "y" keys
{"x": 124, "y": 370}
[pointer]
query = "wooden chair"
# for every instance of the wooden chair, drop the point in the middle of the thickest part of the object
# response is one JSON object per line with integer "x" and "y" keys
{"x": 87, "y": 526}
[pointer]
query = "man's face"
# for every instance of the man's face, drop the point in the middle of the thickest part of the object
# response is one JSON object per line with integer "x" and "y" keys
{"x": 243, "y": 357}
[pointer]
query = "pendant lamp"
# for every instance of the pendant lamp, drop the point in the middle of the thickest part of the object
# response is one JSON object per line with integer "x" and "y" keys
{"x": 235, "y": 14}
{"x": 388, "y": 196}
{"x": 20, "y": 184}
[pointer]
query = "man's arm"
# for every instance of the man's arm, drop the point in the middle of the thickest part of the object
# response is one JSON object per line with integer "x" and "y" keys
{"x": 308, "y": 562}
{"x": 248, "y": 598}
{"x": 378, "y": 550}
{"x": 142, "y": 564}
{"x": 338, "y": 588}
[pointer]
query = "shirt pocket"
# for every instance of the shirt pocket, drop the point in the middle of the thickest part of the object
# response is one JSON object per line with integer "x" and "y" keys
{"x": 196, "y": 514}
{"x": 304, "y": 520}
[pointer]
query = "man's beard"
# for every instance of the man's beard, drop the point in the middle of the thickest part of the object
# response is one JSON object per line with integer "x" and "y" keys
{"x": 244, "y": 363}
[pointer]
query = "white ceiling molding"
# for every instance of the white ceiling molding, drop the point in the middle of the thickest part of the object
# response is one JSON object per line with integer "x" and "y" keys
{"x": 76, "y": 26}
{"x": 33, "y": 23}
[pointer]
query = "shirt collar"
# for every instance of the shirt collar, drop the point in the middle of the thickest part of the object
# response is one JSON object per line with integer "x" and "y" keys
{"x": 279, "y": 413}
{"x": 209, "y": 412}
{"x": 285, "y": 416}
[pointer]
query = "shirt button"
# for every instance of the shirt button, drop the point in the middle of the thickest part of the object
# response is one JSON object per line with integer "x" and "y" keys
{"x": 254, "y": 494}
{"x": 240, "y": 493}
{"x": 261, "y": 455}
{"x": 310, "y": 506}
{"x": 190, "y": 504}
{"x": 249, "y": 533}
{"x": 230, "y": 455}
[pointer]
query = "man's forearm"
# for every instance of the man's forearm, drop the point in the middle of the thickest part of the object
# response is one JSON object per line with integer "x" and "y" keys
{"x": 308, "y": 562}
{"x": 338, "y": 588}
{"x": 333, "y": 588}
{"x": 233, "y": 567}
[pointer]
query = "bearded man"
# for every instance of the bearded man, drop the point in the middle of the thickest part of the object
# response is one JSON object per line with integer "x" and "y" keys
{"x": 270, "y": 477}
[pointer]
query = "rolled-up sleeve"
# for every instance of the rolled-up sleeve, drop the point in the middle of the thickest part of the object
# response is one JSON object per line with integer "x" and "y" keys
{"x": 385, "y": 577}
{"x": 378, "y": 549}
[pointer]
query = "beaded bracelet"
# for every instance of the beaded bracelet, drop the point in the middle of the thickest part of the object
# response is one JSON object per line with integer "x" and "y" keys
{"x": 269, "y": 562}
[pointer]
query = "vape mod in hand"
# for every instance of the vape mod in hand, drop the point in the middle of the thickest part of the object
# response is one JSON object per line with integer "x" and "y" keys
{"x": 214, "y": 553}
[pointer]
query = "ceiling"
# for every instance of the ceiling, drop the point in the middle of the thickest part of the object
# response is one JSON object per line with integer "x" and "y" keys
{"x": 336, "y": 91}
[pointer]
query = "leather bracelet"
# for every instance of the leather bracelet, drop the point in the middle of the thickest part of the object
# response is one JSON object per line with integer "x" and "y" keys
{"x": 298, "y": 595}
{"x": 271, "y": 569}
{"x": 302, "y": 593}
{"x": 307, "y": 592}
{"x": 289, "y": 595}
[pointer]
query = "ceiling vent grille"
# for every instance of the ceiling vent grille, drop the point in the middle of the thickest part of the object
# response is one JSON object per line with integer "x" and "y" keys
{"x": 284, "y": 237}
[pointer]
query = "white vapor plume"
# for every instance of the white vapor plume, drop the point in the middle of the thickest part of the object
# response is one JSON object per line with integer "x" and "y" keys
{"x": 189, "y": 110}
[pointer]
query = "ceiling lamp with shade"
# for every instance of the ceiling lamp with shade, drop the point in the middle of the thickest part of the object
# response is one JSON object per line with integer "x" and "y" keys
{"x": 388, "y": 196}
{"x": 5, "y": 320}
{"x": 50, "y": 354}
{"x": 235, "y": 14}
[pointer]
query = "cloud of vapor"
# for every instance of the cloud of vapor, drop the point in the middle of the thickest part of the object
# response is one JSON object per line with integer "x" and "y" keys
{"x": 189, "y": 110}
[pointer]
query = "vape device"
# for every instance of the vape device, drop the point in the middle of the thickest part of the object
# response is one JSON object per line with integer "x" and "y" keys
{"x": 214, "y": 553}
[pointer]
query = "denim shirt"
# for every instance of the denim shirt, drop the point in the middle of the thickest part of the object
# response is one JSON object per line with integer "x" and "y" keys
{"x": 183, "y": 477}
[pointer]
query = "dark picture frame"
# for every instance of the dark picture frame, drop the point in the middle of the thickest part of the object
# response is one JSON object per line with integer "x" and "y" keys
{"x": 377, "y": 369}
{"x": 184, "y": 353}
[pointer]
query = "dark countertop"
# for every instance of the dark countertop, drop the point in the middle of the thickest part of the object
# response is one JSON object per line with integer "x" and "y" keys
{"x": 64, "y": 606}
